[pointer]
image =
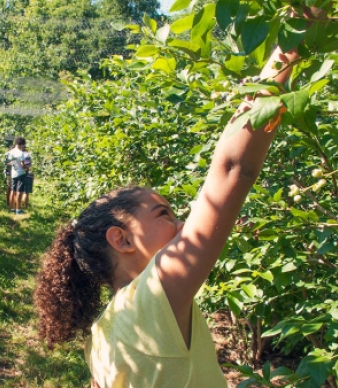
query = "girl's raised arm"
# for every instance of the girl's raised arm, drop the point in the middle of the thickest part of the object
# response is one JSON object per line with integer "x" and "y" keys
{"x": 185, "y": 263}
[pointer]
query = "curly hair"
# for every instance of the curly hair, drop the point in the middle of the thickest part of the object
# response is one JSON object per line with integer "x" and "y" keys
{"x": 78, "y": 263}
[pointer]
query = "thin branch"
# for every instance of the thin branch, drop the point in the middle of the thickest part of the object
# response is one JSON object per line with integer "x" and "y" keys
{"x": 327, "y": 162}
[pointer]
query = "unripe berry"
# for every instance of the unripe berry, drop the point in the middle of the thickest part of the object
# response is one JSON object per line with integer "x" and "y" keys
{"x": 317, "y": 173}
{"x": 321, "y": 182}
{"x": 315, "y": 187}
{"x": 277, "y": 65}
{"x": 226, "y": 84}
{"x": 214, "y": 95}
{"x": 297, "y": 198}
{"x": 294, "y": 189}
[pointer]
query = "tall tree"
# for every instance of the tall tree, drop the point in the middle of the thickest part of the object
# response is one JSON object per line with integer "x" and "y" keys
{"x": 129, "y": 10}
{"x": 40, "y": 39}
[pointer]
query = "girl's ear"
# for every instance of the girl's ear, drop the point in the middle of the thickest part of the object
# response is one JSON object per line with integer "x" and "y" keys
{"x": 118, "y": 239}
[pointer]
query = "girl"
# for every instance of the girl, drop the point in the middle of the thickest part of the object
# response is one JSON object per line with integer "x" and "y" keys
{"x": 152, "y": 333}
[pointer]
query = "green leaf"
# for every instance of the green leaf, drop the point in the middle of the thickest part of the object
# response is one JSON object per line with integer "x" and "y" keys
{"x": 254, "y": 88}
{"x": 289, "y": 267}
{"x": 263, "y": 109}
{"x": 205, "y": 42}
{"x": 308, "y": 121}
{"x": 224, "y": 11}
{"x": 235, "y": 304}
{"x": 246, "y": 370}
{"x": 267, "y": 275}
{"x": 189, "y": 189}
{"x": 318, "y": 367}
{"x": 272, "y": 37}
{"x": 258, "y": 55}
{"x": 247, "y": 383}
{"x": 235, "y": 63}
{"x": 275, "y": 330}
{"x": 243, "y": 245}
{"x": 250, "y": 290}
{"x": 306, "y": 215}
{"x": 329, "y": 45}
{"x": 242, "y": 270}
{"x": 266, "y": 371}
{"x": 149, "y": 22}
{"x": 291, "y": 34}
{"x": 311, "y": 3}
{"x": 133, "y": 27}
{"x": 241, "y": 16}
{"x": 174, "y": 98}
{"x": 277, "y": 196}
{"x": 315, "y": 35}
{"x": 237, "y": 124}
{"x": 326, "y": 246}
{"x": 147, "y": 51}
{"x": 182, "y": 25}
{"x": 309, "y": 328}
{"x": 202, "y": 22}
{"x": 253, "y": 33}
{"x": 288, "y": 331}
{"x": 315, "y": 87}
{"x": 281, "y": 371}
{"x": 162, "y": 64}
{"x": 179, "y": 5}
{"x": 190, "y": 48}
{"x": 261, "y": 189}
{"x": 196, "y": 150}
{"x": 325, "y": 68}
{"x": 296, "y": 102}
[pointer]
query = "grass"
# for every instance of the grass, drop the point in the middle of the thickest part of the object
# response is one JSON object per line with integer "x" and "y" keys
{"x": 24, "y": 359}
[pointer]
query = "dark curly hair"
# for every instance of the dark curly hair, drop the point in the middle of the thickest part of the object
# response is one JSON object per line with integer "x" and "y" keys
{"x": 78, "y": 263}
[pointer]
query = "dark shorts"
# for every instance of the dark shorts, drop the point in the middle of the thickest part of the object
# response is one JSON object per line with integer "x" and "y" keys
{"x": 29, "y": 183}
{"x": 18, "y": 183}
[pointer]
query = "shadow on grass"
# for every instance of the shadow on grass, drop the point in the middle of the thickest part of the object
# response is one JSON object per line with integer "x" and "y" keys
{"x": 23, "y": 239}
{"x": 55, "y": 368}
{"x": 23, "y": 361}
{"x": 52, "y": 370}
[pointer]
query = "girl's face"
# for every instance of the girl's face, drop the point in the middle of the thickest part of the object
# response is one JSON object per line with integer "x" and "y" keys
{"x": 154, "y": 225}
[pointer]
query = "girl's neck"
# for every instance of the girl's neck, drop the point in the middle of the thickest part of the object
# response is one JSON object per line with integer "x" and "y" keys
{"x": 123, "y": 277}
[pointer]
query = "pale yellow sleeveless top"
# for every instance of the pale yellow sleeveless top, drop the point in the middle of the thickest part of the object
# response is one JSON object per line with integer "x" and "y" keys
{"x": 137, "y": 343}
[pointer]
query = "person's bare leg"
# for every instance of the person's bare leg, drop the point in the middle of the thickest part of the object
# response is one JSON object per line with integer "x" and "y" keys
{"x": 18, "y": 200}
{"x": 8, "y": 196}
{"x": 25, "y": 199}
{"x": 12, "y": 199}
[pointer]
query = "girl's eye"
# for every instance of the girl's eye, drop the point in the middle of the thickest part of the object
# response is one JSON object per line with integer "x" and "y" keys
{"x": 164, "y": 212}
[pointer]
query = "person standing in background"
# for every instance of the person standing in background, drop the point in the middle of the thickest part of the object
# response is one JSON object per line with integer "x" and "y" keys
{"x": 28, "y": 186}
{"x": 18, "y": 174}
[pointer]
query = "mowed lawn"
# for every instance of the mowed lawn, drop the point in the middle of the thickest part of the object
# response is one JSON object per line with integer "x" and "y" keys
{"x": 24, "y": 359}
